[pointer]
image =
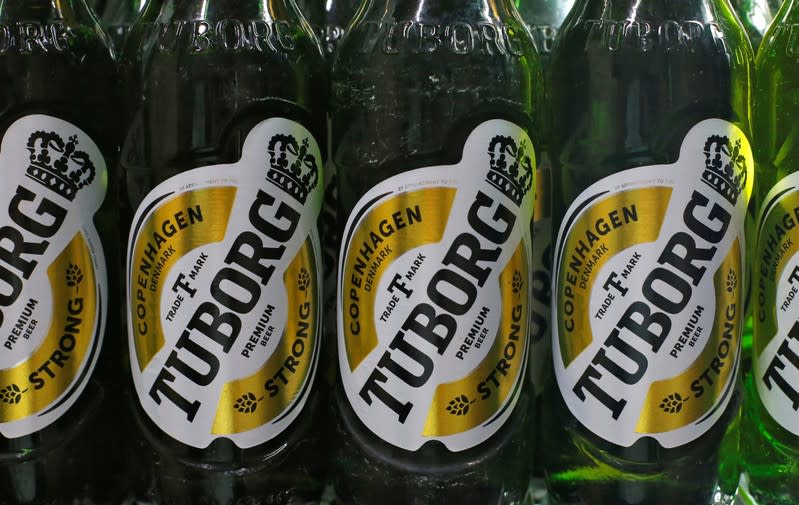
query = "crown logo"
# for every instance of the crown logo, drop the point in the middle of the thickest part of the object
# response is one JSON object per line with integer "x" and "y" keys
{"x": 58, "y": 165}
{"x": 511, "y": 168}
{"x": 293, "y": 168}
{"x": 725, "y": 167}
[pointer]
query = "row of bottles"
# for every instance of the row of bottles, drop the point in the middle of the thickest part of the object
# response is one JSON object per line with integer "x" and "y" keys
{"x": 330, "y": 19}
{"x": 199, "y": 364}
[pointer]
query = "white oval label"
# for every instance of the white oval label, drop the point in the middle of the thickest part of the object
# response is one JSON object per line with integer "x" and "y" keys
{"x": 434, "y": 295}
{"x": 53, "y": 283}
{"x": 648, "y": 299}
{"x": 223, "y": 291}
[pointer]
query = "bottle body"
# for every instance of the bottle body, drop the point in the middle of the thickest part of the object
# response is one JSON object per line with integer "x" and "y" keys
{"x": 60, "y": 415}
{"x": 414, "y": 133}
{"x": 223, "y": 142}
{"x": 631, "y": 398}
{"x": 769, "y": 435}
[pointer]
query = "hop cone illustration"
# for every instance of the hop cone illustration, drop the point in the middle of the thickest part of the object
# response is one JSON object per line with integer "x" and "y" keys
{"x": 74, "y": 276}
{"x": 673, "y": 403}
{"x": 247, "y": 403}
{"x": 459, "y": 406}
{"x": 517, "y": 282}
{"x": 11, "y": 394}
{"x": 732, "y": 281}
{"x": 304, "y": 280}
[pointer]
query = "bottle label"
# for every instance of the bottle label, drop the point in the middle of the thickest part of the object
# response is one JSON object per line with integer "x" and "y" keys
{"x": 649, "y": 292}
{"x": 53, "y": 284}
{"x": 223, "y": 292}
{"x": 434, "y": 295}
{"x": 776, "y": 337}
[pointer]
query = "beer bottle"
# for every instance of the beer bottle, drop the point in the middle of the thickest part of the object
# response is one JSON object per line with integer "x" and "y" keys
{"x": 117, "y": 18}
{"x": 756, "y": 16}
{"x": 543, "y": 18}
{"x": 770, "y": 441}
{"x": 59, "y": 373}
{"x": 223, "y": 172}
{"x": 652, "y": 175}
{"x": 435, "y": 134}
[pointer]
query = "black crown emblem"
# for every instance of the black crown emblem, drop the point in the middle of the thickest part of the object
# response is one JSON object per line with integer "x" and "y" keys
{"x": 293, "y": 168}
{"x": 511, "y": 168}
{"x": 58, "y": 165}
{"x": 725, "y": 167}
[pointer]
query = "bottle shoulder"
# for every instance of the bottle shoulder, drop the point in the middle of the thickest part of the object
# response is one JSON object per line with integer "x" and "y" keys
{"x": 191, "y": 103}
{"x": 66, "y": 72}
{"x": 435, "y": 61}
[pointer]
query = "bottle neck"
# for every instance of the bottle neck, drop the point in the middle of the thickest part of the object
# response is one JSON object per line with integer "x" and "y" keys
{"x": 122, "y": 12}
{"x": 682, "y": 10}
{"x": 45, "y": 10}
{"x": 267, "y": 10}
{"x": 544, "y": 12}
{"x": 437, "y": 11}
{"x": 788, "y": 13}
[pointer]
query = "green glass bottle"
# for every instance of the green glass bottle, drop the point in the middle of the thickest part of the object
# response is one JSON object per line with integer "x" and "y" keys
{"x": 117, "y": 18}
{"x": 223, "y": 165}
{"x": 60, "y": 373}
{"x": 435, "y": 111}
{"x": 652, "y": 175}
{"x": 544, "y": 19}
{"x": 770, "y": 432}
{"x": 756, "y": 16}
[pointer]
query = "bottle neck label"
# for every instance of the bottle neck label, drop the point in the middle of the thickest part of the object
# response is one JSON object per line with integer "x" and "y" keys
{"x": 434, "y": 295}
{"x": 776, "y": 295}
{"x": 53, "y": 281}
{"x": 649, "y": 292}
{"x": 223, "y": 292}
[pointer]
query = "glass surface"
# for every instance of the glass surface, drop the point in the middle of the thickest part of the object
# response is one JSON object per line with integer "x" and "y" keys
{"x": 117, "y": 17}
{"x": 72, "y": 79}
{"x": 624, "y": 100}
{"x": 190, "y": 104}
{"x": 396, "y": 108}
{"x": 756, "y": 16}
{"x": 544, "y": 18}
